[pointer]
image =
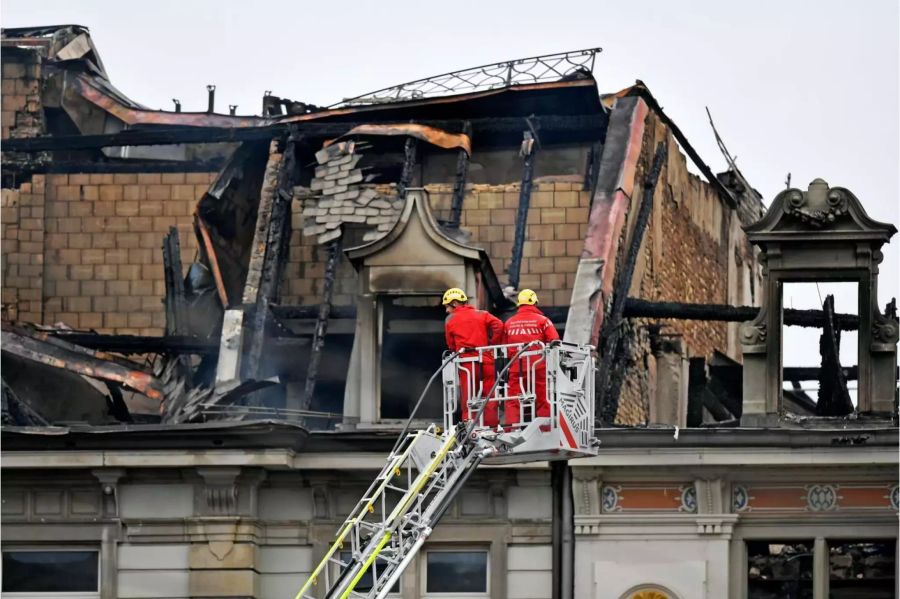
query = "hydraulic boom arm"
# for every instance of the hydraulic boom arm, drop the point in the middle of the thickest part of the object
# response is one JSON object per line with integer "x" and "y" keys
{"x": 427, "y": 468}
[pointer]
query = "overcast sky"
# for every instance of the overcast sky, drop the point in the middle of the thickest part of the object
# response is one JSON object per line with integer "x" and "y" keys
{"x": 807, "y": 88}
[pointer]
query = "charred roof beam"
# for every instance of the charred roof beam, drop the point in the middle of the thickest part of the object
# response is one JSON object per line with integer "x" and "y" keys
{"x": 60, "y": 354}
{"x": 590, "y": 126}
{"x": 641, "y": 308}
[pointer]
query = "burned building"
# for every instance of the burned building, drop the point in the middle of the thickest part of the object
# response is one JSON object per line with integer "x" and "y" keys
{"x": 216, "y": 325}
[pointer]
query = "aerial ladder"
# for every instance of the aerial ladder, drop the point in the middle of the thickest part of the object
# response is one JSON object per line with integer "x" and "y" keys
{"x": 427, "y": 468}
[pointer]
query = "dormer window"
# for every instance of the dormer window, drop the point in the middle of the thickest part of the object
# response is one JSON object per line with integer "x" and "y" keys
{"x": 821, "y": 235}
{"x": 400, "y": 323}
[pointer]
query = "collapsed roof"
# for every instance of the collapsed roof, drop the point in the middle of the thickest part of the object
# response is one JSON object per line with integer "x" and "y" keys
{"x": 349, "y": 166}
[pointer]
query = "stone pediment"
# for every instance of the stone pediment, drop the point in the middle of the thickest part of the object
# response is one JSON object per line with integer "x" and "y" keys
{"x": 820, "y": 214}
{"x": 415, "y": 239}
{"x": 416, "y": 257}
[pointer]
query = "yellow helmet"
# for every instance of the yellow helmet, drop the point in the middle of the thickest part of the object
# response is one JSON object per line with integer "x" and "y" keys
{"x": 454, "y": 294}
{"x": 527, "y": 297}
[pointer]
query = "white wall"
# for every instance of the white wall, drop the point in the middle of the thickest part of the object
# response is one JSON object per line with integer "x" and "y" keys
{"x": 693, "y": 569}
{"x": 529, "y": 574}
{"x": 153, "y": 571}
{"x": 283, "y": 570}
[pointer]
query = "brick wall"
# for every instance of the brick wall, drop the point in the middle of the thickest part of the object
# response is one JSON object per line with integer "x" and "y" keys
{"x": 554, "y": 235}
{"x": 22, "y": 113}
{"x": 557, "y": 223}
{"x": 685, "y": 251}
{"x": 685, "y": 257}
{"x": 102, "y": 247}
{"x": 89, "y": 254}
{"x": 22, "y": 234}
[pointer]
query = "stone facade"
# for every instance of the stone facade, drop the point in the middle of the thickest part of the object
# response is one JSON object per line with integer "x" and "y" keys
{"x": 258, "y": 532}
{"x": 187, "y": 529}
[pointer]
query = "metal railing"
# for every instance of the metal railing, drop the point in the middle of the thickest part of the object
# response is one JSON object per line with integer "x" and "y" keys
{"x": 521, "y": 71}
{"x": 558, "y": 375}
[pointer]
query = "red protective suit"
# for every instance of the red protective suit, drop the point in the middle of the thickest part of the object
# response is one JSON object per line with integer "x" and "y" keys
{"x": 528, "y": 324}
{"x": 467, "y": 327}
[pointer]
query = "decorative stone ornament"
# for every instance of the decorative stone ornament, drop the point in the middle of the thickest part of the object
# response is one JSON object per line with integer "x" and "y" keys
{"x": 688, "y": 499}
{"x": 821, "y": 498}
{"x": 818, "y": 207}
{"x": 648, "y": 591}
{"x": 822, "y": 234}
{"x": 740, "y": 498}
{"x": 610, "y": 498}
{"x": 219, "y": 491}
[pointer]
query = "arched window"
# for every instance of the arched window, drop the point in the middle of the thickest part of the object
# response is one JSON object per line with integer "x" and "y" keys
{"x": 649, "y": 591}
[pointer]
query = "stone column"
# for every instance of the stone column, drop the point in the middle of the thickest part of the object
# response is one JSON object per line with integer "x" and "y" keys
{"x": 737, "y": 569}
{"x": 671, "y": 385}
{"x": 368, "y": 329}
{"x": 820, "y": 567}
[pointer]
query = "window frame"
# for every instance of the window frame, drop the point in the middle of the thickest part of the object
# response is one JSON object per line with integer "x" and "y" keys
{"x": 423, "y": 591}
{"x": 385, "y": 303}
{"x": 16, "y": 548}
{"x": 782, "y": 287}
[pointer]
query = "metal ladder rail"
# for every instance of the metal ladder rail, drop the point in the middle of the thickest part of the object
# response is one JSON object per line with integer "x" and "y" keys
{"x": 365, "y": 506}
{"x": 421, "y": 517}
{"x": 414, "y": 534}
{"x": 376, "y": 542}
{"x": 417, "y": 519}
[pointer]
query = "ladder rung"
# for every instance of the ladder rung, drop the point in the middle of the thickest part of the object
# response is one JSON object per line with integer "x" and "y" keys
{"x": 400, "y": 489}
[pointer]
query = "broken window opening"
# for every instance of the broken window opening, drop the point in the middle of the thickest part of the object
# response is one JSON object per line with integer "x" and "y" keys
{"x": 862, "y": 569}
{"x": 780, "y": 569}
{"x": 824, "y": 382}
{"x": 411, "y": 348}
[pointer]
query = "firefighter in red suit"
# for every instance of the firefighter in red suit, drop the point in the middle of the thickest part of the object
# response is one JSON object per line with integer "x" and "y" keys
{"x": 467, "y": 327}
{"x": 526, "y": 325}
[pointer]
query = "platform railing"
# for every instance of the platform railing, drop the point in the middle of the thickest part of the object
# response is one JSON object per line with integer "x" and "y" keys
{"x": 565, "y": 370}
